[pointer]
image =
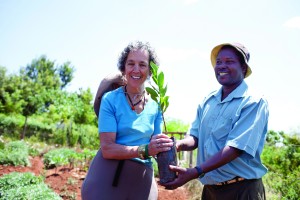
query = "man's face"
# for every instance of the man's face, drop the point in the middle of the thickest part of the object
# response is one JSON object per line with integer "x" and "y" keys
{"x": 228, "y": 69}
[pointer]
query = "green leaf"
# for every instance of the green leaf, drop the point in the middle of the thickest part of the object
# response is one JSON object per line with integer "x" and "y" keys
{"x": 152, "y": 91}
{"x": 161, "y": 80}
{"x": 166, "y": 104}
{"x": 163, "y": 91}
{"x": 153, "y": 94}
{"x": 154, "y": 69}
{"x": 158, "y": 94}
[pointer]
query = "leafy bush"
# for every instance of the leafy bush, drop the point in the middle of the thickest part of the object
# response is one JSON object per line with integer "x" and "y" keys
{"x": 11, "y": 125}
{"x": 73, "y": 137}
{"x": 36, "y": 147}
{"x": 64, "y": 134}
{"x": 2, "y": 143}
{"x": 58, "y": 157}
{"x": 155, "y": 167}
{"x": 283, "y": 163}
{"x": 59, "y": 137}
{"x": 89, "y": 137}
{"x": 15, "y": 153}
{"x": 175, "y": 125}
{"x": 88, "y": 156}
{"x": 65, "y": 156}
{"x": 25, "y": 186}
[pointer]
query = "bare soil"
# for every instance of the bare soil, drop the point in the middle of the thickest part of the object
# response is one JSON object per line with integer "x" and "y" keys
{"x": 66, "y": 181}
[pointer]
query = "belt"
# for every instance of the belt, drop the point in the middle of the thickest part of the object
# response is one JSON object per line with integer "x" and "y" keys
{"x": 118, "y": 172}
{"x": 235, "y": 180}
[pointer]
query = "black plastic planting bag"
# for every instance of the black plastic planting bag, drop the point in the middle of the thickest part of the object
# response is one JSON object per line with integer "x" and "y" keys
{"x": 164, "y": 159}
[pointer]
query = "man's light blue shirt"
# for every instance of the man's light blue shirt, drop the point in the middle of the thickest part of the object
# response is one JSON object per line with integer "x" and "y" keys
{"x": 239, "y": 121}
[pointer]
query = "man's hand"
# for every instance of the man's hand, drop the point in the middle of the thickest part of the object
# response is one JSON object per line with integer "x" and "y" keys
{"x": 184, "y": 175}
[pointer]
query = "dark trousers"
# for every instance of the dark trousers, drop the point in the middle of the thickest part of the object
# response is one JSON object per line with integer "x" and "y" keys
{"x": 136, "y": 181}
{"x": 245, "y": 190}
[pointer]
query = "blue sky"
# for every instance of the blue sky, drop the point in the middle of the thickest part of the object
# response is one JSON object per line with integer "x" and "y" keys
{"x": 90, "y": 34}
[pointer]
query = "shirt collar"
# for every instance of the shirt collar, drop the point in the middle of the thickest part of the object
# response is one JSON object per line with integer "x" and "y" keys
{"x": 238, "y": 92}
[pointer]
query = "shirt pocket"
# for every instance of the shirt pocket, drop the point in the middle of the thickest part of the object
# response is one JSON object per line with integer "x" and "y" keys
{"x": 222, "y": 128}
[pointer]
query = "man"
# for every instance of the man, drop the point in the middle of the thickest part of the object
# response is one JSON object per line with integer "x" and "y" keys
{"x": 109, "y": 83}
{"x": 229, "y": 131}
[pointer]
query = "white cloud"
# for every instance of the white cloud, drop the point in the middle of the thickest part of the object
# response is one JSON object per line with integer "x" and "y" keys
{"x": 293, "y": 22}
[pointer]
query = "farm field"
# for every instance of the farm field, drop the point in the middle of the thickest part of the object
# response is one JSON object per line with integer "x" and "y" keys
{"x": 66, "y": 181}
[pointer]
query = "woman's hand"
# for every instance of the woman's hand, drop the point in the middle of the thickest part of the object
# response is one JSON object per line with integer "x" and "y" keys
{"x": 159, "y": 143}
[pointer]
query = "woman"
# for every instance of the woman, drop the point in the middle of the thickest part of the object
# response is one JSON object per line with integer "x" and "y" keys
{"x": 130, "y": 132}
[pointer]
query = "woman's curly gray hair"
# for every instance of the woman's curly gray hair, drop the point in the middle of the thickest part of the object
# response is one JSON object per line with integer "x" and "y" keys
{"x": 136, "y": 46}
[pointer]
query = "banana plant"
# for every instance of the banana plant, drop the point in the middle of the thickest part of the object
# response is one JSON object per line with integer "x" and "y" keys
{"x": 159, "y": 90}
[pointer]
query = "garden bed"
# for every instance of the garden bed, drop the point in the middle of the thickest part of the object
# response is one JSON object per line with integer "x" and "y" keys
{"x": 66, "y": 181}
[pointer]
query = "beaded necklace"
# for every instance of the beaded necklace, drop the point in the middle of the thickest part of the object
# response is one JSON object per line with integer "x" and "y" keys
{"x": 137, "y": 103}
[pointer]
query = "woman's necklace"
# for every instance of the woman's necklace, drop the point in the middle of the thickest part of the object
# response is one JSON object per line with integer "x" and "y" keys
{"x": 134, "y": 104}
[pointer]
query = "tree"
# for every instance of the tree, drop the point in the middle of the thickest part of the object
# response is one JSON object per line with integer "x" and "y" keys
{"x": 2, "y": 90}
{"x": 45, "y": 73}
{"x": 85, "y": 113}
{"x": 40, "y": 78}
{"x": 10, "y": 93}
{"x": 66, "y": 74}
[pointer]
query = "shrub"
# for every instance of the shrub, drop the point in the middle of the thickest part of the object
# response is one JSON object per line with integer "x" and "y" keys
{"x": 11, "y": 126}
{"x": 58, "y": 157}
{"x": 87, "y": 156}
{"x": 283, "y": 164}
{"x": 89, "y": 137}
{"x": 59, "y": 137}
{"x": 65, "y": 156}
{"x": 25, "y": 186}
{"x": 38, "y": 129}
{"x": 175, "y": 125}
{"x": 15, "y": 153}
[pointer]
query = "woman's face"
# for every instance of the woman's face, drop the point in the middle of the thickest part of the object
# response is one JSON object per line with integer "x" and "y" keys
{"x": 137, "y": 68}
{"x": 228, "y": 69}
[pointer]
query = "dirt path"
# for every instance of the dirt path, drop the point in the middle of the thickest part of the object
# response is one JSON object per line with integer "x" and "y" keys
{"x": 67, "y": 181}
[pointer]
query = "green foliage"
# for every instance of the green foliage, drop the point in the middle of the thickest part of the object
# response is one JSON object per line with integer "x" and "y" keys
{"x": 283, "y": 187}
{"x": 66, "y": 74}
{"x": 38, "y": 129}
{"x": 71, "y": 107}
{"x": 25, "y": 186}
{"x": 176, "y": 125}
{"x": 274, "y": 137}
{"x": 2, "y": 143}
{"x": 85, "y": 113}
{"x": 66, "y": 156}
{"x": 281, "y": 156}
{"x": 86, "y": 157}
{"x": 89, "y": 137}
{"x": 10, "y": 93}
{"x": 32, "y": 104}
{"x": 15, "y": 153}
{"x": 59, "y": 137}
{"x": 158, "y": 92}
{"x": 58, "y": 157}
{"x": 37, "y": 90}
{"x": 11, "y": 125}
{"x": 155, "y": 167}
